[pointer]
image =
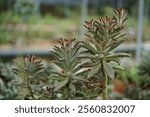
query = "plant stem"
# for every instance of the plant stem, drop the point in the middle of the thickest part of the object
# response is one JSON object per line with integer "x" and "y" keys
{"x": 30, "y": 89}
{"x": 105, "y": 88}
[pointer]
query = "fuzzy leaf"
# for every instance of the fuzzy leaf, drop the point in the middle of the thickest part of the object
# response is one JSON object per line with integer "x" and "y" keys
{"x": 118, "y": 68}
{"x": 116, "y": 55}
{"x": 81, "y": 72}
{"x": 60, "y": 85}
{"x": 28, "y": 67}
{"x": 80, "y": 79}
{"x": 73, "y": 88}
{"x": 94, "y": 70}
{"x": 78, "y": 67}
{"x": 56, "y": 77}
{"x": 89, "y": 47}
{"x": 114, "y": 45}
{"x": 109, "y": 70}
{"x": 2, "y": 86}
{"x": 116, "y": 60}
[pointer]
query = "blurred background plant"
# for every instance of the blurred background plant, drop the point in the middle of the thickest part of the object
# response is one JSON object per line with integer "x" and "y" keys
{"x": 22, "y": 18}
{"x": 133, "y": 83}
{"x": 25, "y": 9}
{"x": 7, "y": 89}
{"x": 27, "y": 71}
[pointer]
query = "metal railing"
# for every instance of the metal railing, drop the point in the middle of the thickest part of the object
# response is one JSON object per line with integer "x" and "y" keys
{"x": 46, "y": 51}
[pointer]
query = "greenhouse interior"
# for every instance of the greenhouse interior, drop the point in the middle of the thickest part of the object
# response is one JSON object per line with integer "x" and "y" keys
{"x": 74, "y": 49}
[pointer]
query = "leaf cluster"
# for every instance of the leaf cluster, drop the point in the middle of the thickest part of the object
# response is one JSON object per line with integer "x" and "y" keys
{"x": 71, "y": 75}
{"x": 27, "y": 70}
{"x": 7, "y": 89}
{"x": 144, "y": 67}
{"x": 82, "y": 67}
{"x": 106, "y": 35}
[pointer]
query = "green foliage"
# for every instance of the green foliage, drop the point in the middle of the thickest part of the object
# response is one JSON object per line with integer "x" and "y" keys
{"x": 27, "y": 70}
{"x": 82, "y": 68}
{"x": 131, "y": 76}
{"x": 136, "y": 83}
{"x": 7, "y": 89}
{"x": 105, "y": 37}
{"x": 25, "y": 8}
{"x": 9, "y": 18}
{"x": 71, "y": 75}
{"x": 13, "y": 28}
{"x": 106, "y": 11}
{"x": 106, "y": 34}
{"x": 144, "y": 67}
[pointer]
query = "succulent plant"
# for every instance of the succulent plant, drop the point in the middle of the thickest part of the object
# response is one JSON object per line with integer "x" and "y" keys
{"x": 144, "y": 70}
{"x": 70, "y": 75}
{"x": 83, "y": 68}
{"x": 27, "y": 70}
{"x": 105, "y": 36}
{"x": 7, "y": 89}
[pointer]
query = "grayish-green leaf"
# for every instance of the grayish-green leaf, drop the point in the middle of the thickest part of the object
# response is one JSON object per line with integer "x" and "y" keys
{"x": 80, "y": 78}
{"x": 118, "y": 67}
{"x": 94, "y": 70}
{"x": 60, "y": 85}
{"x": 108, "y": 69}
{"x": 116, "y": 55}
